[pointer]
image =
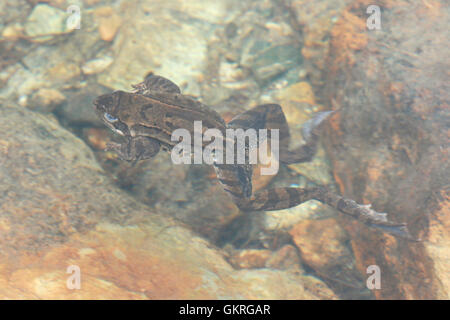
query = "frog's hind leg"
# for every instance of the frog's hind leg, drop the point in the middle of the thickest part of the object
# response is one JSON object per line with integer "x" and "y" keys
{"x": 271, "y": 116}
{"x": 266, "y": 116}
{"x": 283, "y": 198}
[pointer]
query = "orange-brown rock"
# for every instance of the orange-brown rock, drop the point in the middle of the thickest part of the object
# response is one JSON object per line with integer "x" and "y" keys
{"x": 46, "y": 100}
{"x": 321, "y": 242}
{"x": 58, "y": 209}
{"x": 109, "y": 23}
{"x": 316, "y": 18}
{"x": 284, "y": 258}
{"x": 96, "y": 137}
{"x": 324, "y": 247}
{"x": 250, "y": 258}
{"x": 389, "y": 144}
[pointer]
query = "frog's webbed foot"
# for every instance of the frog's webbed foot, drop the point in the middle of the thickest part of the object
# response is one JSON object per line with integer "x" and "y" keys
{"x": 310, "y": 132}
{"x": 379, "y": 220}
{"x": 397, "y": 229}
{"x": 311, "y": 127}
{"x": 135, "y": 149}
{"x": 364, "y": 213}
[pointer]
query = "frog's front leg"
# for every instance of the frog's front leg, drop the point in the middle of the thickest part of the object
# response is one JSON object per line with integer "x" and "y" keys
{"x": 135, "y": 148}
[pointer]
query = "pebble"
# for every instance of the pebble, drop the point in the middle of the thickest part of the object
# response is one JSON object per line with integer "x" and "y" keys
{"x": 12, "y": 31}
{"x": 109, "y": 23}
{"x": 285, "y": 258}
{"x": 97, "y": 65}
{"x": 64, "y": 71}
{"x": 46, "y": 100}
{"x": 96, "y": 137}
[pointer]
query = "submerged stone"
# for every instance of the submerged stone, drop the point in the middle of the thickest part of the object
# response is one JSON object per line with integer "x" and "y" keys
{"x": 45, "y": 22}
{"x": 269, "y": 62}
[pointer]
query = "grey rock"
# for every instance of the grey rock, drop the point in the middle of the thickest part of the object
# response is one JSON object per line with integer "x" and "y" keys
{"x": 45, "y": 22}
{"x": 161, "y": 37}
{"x": 389, "y": 146}
{"x": 52, "y": 185}
{"x": 268, "y": 62}
{"x": 78, "y": 110}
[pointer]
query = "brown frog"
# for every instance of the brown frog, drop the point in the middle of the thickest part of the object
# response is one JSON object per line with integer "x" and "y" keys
{"x": 148, "y": 116}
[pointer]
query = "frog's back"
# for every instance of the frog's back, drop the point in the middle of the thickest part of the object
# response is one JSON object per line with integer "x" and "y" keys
{"x": 191, "y": 108}
{"x": 178, "y": 105}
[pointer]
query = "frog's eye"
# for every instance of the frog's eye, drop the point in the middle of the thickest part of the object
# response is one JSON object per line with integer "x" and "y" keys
{"x": 110, "y": 118}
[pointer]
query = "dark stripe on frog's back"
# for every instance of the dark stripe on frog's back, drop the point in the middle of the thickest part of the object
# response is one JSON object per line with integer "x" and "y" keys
{"x": 188, "y": 108}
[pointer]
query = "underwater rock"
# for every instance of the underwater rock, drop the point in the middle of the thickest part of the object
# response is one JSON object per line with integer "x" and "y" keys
{"x": 78, "y": 110}
{"x": 14, "y": 11}
{"x": 268, "y": 62}
{"x": 31, "y": 67}
{"x": 282, "y": 259}
{"x": 109, "y": 22}
{"x": 317, "y": 170}
{"x": 60, "y": 213}
{"x": 286, "y": 218}
{"x": 46, "y": 100}
{"x": 389, "y": 143}
{"x": 253, "y": 53}
{"x": 437, "y": 247}
{"x": 324, "y": 247}
{"x": 96, "y": 137}
{"x": 188, "y": 193}
{"x": 147, "y": 261}
{"x": 299, "y": 103}
{"x": 43, "y": 171}
{"x": 13, "y": 31}
{"x": 250, "y": 258}
{"x": 97, "y": 65}
{"x": 316, "y": 19}
{"x": 161, "y": 37}
{"x": 45, "y": 22}
{"x": 41, "y": 67}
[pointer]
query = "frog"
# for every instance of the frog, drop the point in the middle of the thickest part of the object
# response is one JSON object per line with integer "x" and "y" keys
{"x": 147, "y": 116}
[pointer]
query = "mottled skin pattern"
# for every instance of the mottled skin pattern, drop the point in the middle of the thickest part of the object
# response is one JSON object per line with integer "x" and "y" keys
{"x": 148, "y": 116}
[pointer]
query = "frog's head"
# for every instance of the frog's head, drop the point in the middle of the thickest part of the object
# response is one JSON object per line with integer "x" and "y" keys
{"x": 107, "y": 108}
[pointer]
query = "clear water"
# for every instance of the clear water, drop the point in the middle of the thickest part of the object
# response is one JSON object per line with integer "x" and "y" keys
{"x": 156, "y": 230}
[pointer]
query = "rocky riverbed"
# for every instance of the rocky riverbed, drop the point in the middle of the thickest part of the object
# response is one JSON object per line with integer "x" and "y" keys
{"x": 159, "y": 231}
